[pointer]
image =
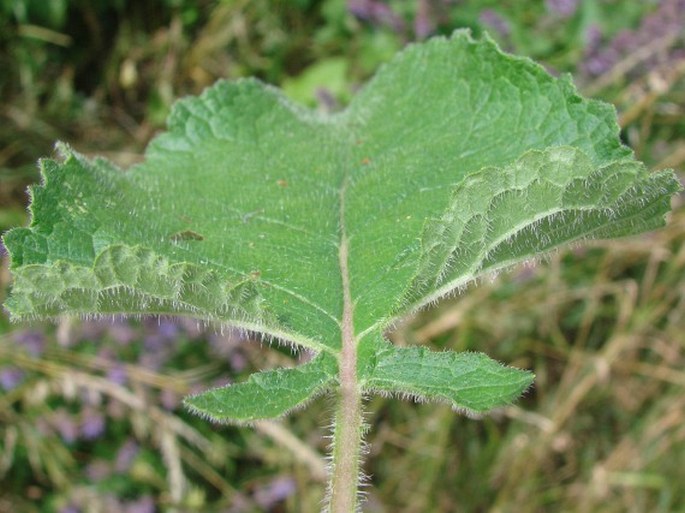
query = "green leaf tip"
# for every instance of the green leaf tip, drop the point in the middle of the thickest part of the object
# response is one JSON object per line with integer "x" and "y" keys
{"x": 456, "y": 160}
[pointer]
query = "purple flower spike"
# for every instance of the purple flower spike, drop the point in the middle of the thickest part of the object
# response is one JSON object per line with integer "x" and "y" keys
{"x": 238, "y": 361}
{"x": 152, "y": 360}
{"x": 11, "y": 377}
{"x": 278, "y": 490}
{"x": 126, "y": 455}
{"x": 424, "y": 24}
{"x": 168, "y": 329}
{"x": 92, "y": 330}
{"x": 92, "y": 424}
{"x": 563, "y": 8}
{"x": 65, "y": 424}
{"x": 376, "y": 13}
{"x": 192, "y": 328}
{"x": 117, "y": 374}
{"x": 154, "y": 342}
{"x": 494, "y": 21}
{"x": 122, "y": 332}
{"x": 223, "y": 345}
{"x": 593, "y": 35}
{"x": 31, "y": 340}
{"x": 666, "y": 21}
{"x": 169, "y": 399}
{"x": 598, "y": 64}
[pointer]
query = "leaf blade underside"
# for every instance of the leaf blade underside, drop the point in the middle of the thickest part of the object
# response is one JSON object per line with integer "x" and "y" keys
{"x": 266, "y": 394}
{"x": 454, "y": 161}
{"x": 469, "y": 382}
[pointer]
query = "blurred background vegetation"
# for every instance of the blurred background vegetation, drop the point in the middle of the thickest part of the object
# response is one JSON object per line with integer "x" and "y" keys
{"x": 89, "y": 409}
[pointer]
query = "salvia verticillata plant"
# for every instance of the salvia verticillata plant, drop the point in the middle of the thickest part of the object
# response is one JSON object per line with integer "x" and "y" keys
{"x": 322, "y": 230}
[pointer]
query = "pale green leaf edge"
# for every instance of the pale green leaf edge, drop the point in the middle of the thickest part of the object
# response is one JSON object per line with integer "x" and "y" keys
{"x": 542, "y": 201}
{"x": 134, "y": 280}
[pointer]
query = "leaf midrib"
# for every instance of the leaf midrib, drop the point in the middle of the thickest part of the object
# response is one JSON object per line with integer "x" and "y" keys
{"x": 348, "y": 357}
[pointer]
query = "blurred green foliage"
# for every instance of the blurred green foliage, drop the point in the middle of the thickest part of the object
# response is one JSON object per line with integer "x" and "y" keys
{"x": 602, "y": 327}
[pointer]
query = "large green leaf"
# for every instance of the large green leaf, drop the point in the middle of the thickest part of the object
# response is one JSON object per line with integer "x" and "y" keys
{"x": 454, "y": 161}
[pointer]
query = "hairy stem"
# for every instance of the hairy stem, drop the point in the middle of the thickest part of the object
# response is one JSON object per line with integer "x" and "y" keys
{"x": 347, "y": 437}
{"x": 346, "y": 457}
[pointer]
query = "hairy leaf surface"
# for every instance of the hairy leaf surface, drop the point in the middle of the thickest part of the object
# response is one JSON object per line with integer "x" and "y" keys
{"x": 456, "y": 160}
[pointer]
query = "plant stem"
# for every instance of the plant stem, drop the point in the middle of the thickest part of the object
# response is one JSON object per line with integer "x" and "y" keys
{"x": 346, "y": 457}
{"x": 347, "y": 436}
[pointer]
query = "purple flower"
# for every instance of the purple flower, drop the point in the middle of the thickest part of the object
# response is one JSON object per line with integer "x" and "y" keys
{"x": 152, "y": 360}
{"x": 563, "y": 8}
{"x": 593, "y": 36}
{"x": 196, "y": 388}
{"x": 117, "y": 373}
{"x": 92, "y": 330}
{"x": 376, "y": 13}
{"x": 168, "y": 329}
{"x": 524, "y": 275}
{"x": 494, "y": 21}
{"x": 238, "y": 361}
{"x": 666, "y": 21}
{"x": 122, "y": 332}
{"x": 625, "y": 41}
{"x": 92, "y": 424}
{"x": 424, "y": 22}
{"x": 31, "y": 340}
{"x": 154, "y": 342}
{"x": 106, "y": 353}
{"x": 126, "y": 455}
{"x": 11, "y": 377}
{"x": 65, "y": 424}
{"x": 191, "y": 327}
{"x": 159, "y": 330}
{"x": 221, "y": 382}
{"x": 228, "y": 346}
{"x": 597, "y": 64}
{"x": 169, "y": 399}
{"x": 276, "y": 491}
